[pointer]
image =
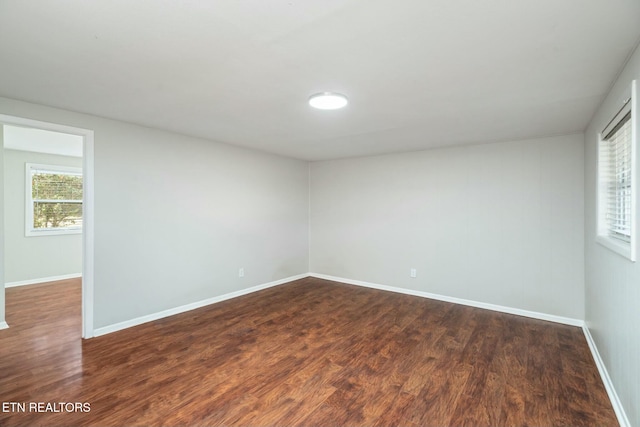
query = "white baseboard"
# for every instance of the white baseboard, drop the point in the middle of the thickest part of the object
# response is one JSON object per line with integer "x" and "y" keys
{"x": 42, "y": 280}
{"x": 4, "y": 325}
{"x": 192, "y": 306}
{"x": 608, "y": 385}
{"x": 471, "y": 303}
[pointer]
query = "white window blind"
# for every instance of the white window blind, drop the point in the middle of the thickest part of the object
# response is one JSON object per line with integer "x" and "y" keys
{"x": 616, "y": 162}
{"x": 617, "y": 190}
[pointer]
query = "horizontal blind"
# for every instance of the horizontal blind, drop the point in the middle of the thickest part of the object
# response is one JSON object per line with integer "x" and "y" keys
{"x": 50, "y": 185}
{"x": 56, "y": 199}
{"x": 616, "y": 153}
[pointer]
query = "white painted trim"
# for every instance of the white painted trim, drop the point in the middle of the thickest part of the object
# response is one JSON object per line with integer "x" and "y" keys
{"x": 619, "y": 247}
{"x": 309, "y": 216}
{"x": 192, "y": 306}
{"x": 87, "y": 206}
{"x": 4, "y": 325}
{"x": 608, "y": 384}
{"x": 42, "y": 280}
{"x": 483, "y": 305}
{"x": 87, "y": 235}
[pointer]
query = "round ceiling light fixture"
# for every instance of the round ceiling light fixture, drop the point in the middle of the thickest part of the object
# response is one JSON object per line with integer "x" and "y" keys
{"x": 328, "y": 100}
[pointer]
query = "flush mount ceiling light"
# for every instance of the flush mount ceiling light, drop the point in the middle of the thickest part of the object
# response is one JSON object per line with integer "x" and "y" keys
{"x": 328, "y": 100}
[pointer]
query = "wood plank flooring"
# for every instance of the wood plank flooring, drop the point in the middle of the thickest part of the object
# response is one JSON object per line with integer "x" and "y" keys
{"x": 307, "y": 353}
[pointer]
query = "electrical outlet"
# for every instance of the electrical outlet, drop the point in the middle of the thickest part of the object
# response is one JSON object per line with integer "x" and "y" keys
{"x": 413, "y": 273}
{"x": 241, "y": 272}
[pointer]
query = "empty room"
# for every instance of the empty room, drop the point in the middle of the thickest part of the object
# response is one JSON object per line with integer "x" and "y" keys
{"x": 319, "y": 213}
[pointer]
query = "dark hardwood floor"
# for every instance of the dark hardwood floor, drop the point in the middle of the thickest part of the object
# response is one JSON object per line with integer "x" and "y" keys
{"x": 308, "y": 353}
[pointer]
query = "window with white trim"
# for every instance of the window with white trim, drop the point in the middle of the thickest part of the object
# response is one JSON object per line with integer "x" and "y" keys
{"x": 617, "y": 180}
{"x": 54, "y": 200}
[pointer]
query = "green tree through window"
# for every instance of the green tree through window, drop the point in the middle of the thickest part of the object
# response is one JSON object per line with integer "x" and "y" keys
{"x": 56, "y": 198}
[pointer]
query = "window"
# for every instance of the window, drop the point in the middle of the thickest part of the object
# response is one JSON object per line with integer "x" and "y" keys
{"x": 617, "y": 175}
{"x": 54, "y": 200}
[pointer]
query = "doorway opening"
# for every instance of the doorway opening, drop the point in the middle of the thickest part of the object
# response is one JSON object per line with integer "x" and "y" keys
{"x": 50, "y": 211}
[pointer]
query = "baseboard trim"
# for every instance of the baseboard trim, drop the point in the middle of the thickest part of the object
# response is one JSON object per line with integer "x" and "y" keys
{"x": 606, "y": 379}
{"x": 42, "y": 280}
{"x": 192, "y": 306}
{"x": 471, "y": 303}
{"x": 4, "y": 325}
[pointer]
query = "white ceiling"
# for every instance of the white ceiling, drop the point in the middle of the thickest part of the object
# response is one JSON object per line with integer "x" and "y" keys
{"x": 418, "y": 73}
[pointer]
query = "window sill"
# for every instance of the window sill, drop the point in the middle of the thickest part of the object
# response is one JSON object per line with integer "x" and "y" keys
{"x": 59, "y": 232}
{"x": 619, "y": 247}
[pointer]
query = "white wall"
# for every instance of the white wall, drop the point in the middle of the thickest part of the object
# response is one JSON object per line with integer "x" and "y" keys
{"x": 612, "y": 282}
{"x": 29, "y": 258}
{"x": 497, "y": 223}
{"x": 175, "y": 216}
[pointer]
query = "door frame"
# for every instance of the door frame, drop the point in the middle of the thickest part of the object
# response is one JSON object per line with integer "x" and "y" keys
{"x": 87, "y": 208}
